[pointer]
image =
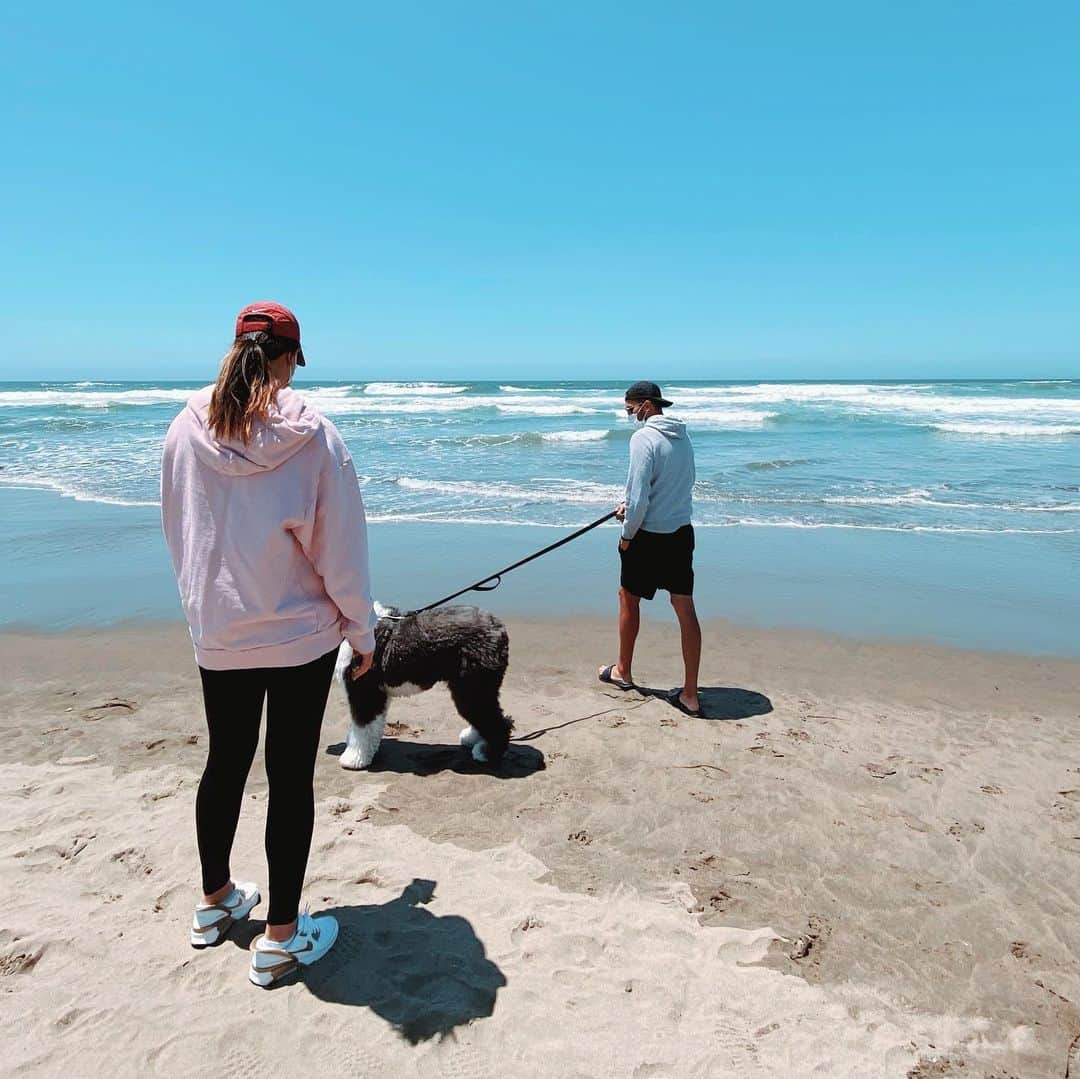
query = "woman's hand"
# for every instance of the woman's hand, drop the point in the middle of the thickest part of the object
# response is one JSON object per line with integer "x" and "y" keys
{"x": 360, "y": 665}
{"x": 620, "y": 512}
{"x": 624, "y": 545}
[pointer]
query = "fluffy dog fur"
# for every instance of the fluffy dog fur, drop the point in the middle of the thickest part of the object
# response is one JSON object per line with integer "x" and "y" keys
{"x": 464, "y": 647}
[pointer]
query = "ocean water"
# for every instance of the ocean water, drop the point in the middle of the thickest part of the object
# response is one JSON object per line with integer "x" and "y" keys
{"x": 993, "y": 457}
{"x": 858, "y": 492}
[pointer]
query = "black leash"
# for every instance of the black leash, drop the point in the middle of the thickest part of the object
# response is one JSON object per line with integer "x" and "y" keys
{"x": 485, "y": 585}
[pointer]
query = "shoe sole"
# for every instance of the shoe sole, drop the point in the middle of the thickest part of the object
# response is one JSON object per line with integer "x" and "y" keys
{"x": 202, "y": 938}
{"x": 267, "y": 977}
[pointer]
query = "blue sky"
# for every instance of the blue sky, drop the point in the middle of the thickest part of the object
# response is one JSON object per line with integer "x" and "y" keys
{"x": 781, "y": 190}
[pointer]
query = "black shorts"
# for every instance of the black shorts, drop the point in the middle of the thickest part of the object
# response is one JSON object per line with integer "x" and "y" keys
{"x": 663, "y": 560}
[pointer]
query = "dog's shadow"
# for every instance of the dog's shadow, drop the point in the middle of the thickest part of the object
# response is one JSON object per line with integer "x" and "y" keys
{"x": 422, "y": 759}
{"x": 424, "y": 974}
{"x": 719, "y": 702}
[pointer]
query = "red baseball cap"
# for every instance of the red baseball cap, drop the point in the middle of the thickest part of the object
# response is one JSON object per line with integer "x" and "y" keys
{"x": 273, "y": 318}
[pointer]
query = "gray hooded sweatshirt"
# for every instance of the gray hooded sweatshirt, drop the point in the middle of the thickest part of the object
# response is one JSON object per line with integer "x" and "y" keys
{"x": 659, "y": 487}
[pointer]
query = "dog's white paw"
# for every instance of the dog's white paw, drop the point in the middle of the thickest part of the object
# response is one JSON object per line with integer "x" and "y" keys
{"x": 362, "y": 743}
{"x": 353, "y": 759}
{"x": 469, "y": 737}
{"x": 479, "y": 752}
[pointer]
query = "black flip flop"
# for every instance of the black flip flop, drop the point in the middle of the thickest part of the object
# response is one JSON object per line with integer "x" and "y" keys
{"x": 605, "y": 677}
{"x": 674, "y": 700}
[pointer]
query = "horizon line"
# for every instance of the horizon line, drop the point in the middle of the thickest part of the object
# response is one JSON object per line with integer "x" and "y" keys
{"x": 400, "y": 380}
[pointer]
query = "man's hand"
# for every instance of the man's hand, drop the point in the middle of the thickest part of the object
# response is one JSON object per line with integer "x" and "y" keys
{"x": 624, "y": 545}
{"x": 360, "y": 665}
{"x": 620, "y": 512}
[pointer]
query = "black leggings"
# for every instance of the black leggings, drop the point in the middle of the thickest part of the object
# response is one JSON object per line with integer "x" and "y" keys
{"x": 295, "y": 702}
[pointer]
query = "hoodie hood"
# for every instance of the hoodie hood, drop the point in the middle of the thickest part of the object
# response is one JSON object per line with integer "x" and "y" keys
{"x": 667, "y": 426}
{"x": 289, "y": 427}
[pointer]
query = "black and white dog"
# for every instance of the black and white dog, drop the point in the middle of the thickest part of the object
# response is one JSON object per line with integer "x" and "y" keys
{"x": 464, "y": 647}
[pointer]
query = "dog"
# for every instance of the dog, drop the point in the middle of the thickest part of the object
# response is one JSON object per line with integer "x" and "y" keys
{"x": 465, "y": 647}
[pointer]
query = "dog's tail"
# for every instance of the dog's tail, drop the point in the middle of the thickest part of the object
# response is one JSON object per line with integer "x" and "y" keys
{"x": 344, "y": 658}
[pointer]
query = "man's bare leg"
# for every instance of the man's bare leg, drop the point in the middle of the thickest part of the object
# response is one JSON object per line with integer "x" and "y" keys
{"x": 629, "y": 624}
{"x": 690, "y": 631}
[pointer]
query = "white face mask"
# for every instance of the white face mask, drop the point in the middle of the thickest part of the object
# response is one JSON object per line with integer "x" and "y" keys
{"x": 636, "y": 416}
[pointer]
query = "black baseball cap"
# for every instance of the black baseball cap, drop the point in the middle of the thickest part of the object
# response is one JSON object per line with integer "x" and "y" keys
{"x": 646, "y": 391}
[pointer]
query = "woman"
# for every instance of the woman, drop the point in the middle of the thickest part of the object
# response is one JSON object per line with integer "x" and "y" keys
{"x": 265, "y": 524}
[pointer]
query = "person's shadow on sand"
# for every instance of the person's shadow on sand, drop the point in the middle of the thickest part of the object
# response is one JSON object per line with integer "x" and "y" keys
{"x": 723, "y": 702}
{"x": 401, "y": 757}
{"x": 717, "y": 702}
{"x": 423, "y": 974}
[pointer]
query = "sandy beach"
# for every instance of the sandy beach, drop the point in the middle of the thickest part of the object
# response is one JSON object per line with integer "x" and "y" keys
{"x": 864, "y": 864}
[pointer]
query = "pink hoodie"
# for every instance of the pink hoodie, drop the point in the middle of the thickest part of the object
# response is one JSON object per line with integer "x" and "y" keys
{"x": 268, "y": 539}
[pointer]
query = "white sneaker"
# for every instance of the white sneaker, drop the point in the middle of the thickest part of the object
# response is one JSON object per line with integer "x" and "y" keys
{"x": 272, "y": 960}
{"x": 213, "y": 920}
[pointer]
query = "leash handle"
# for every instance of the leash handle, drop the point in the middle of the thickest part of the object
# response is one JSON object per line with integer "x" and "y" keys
{"x": 483, "y": 584}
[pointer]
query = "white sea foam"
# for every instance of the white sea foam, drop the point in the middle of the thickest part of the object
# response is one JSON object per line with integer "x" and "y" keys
{"x": 915, "y": 498}
{"x": 70, "y": 491}
{"x": 575, "y": 436}
{"x": 751, "y": 522}
{"x": 725, "y": 417}
{"x": 412, "y": 389}
{"x": 902, "y": 498}
{"x": 334, "y": 405}
{"x": 448, "y": 517}
{"x": 390, "y": 404}
{"x": 976, "y": 406}
{"x": 1008, "y": 430}
{"x": 444, "y": 518}
{"x": 545, "y": 409}
{"x": 90, "y": 398}
{"x": 910, "y": 398}
{"x": 327, "y": 391}
{"x": 550, "y": 491}
{"x": 782, "y": 393}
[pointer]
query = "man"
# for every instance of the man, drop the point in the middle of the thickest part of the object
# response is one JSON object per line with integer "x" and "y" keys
{"x": 657, "y": 545}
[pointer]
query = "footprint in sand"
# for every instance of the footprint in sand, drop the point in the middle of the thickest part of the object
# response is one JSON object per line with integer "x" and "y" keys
{"x": 149, "y": 798}
{"x": 937, "y": 1067}
{"x": 926, "y": 772}
{"x": 166, "y": 898}
{"x": 959, "y": 830}
{"x": 809, "y": 944}
{"x": 244, "y": 1062}
{"x": 1020, "y": 949}
{"x": 134, "y": 861}
{"x": 526, "y": 925}
{"x": 879, "y": 771}
{"x": 19, "y": 962}
{"x": 112, "y": 706}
